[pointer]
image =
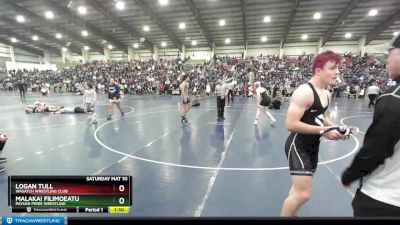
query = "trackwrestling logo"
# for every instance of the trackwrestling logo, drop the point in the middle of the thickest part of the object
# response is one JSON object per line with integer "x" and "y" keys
{"x": 33, "y": 220}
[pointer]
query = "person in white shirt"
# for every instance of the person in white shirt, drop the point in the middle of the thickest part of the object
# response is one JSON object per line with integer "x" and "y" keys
{"x": 230, "y": 87}
{"x": 263, "y": 101}
{"x": 221, "y": 92}
{"x": 373, "y": 92}
{"x": 208, "y": 89}
{"x": 89, "y": 100}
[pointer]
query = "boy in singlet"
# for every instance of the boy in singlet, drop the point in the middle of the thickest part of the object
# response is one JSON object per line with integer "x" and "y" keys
{"x": 263, "y": 101}
{"x": 307, "y": 120}
{"x": 184, "y": 87}
{"x": 114, "y": 98}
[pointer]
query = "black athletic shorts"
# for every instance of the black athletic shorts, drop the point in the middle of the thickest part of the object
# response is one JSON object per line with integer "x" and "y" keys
{"x": 302, "y": 155}
{"x": 265, "y": 99}
{"x": 185, "y": 102}
{"x": 265, "y": 102}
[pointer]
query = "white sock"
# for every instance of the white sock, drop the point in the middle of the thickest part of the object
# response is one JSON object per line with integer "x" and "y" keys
{"x": 270, "y": 116}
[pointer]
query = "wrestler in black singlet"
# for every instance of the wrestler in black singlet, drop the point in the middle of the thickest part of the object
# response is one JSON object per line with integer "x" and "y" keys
{"x": 302, "y": 149}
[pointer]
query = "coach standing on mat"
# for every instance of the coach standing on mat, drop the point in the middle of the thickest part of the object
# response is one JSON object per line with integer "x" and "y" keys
{"x": 221, "y": 92}
{"x": 377, "y": 163}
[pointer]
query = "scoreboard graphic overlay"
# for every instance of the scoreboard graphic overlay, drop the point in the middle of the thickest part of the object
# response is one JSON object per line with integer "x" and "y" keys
{"x": 74, "y": 194}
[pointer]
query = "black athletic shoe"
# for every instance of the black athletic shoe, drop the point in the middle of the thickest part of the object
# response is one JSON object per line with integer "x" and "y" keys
{"x": 3, "y": 160}
{"x": 184, "y": 120}
{"x": 108, "y": 117}
{"x": 122, "y": 114}
{"x": 2, "y": 169}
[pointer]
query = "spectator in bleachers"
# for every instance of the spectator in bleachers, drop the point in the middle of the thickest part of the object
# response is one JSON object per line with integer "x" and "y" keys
{"x": 161, "y": 76}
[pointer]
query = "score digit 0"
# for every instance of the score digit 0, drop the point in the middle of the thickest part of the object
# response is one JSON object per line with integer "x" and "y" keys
{"x": 121, "y": 188}
{"x": 121, "y": 200}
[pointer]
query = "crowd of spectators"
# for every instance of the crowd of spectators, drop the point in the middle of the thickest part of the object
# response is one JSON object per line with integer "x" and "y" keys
{"x": 279, "y": 75}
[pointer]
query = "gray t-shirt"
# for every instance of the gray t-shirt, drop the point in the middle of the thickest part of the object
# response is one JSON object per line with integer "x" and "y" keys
{"x": 229, "y": 86}
{"x": 220, "y": 90}
{"x": 373, "y": 90}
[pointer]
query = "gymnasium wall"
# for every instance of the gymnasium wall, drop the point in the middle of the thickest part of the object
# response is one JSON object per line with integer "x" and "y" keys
{"x": 26, "y": 57}
{"x": 204, "y": 53}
